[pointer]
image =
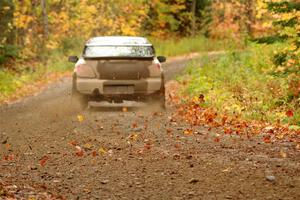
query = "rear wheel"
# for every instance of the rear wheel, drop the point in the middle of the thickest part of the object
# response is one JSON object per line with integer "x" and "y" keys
{"x": 78, "y": 98}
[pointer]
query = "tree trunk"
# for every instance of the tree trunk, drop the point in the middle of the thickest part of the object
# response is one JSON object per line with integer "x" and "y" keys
{"x": 250, "y": 18}
{"x": 194, "y": 17}
{"x": 45, "y": 19}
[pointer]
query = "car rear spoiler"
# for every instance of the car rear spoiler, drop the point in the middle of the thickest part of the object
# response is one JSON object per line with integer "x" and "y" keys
{"x": 123, "y": 45}
{"x": 119, "y": 58}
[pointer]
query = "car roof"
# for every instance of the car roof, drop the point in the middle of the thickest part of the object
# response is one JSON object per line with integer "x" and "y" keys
{"x": 118, "y": 41}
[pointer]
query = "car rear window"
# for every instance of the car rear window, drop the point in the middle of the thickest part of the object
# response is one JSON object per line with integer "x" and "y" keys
{"x": 118, "y": 51}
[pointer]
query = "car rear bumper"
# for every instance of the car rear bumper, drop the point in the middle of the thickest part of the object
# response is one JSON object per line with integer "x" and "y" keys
{"x": 118, "y": 87}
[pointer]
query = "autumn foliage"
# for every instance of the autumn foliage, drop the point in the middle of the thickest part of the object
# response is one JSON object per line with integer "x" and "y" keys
{"x": 38, "y": 26}
{"x": 194, "y": 112}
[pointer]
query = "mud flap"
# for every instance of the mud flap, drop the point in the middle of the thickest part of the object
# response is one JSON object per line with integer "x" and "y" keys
{"x": 77, "y": 98}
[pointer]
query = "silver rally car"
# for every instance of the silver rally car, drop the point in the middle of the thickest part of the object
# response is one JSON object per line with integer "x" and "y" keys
{"x": 118, "y": 68}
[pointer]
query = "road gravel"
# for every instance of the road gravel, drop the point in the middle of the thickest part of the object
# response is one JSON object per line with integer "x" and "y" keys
{"x": 51, "y": 150}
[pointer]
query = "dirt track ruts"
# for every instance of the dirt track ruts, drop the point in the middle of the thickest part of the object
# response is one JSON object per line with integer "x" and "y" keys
{"x": 139, "y": 154}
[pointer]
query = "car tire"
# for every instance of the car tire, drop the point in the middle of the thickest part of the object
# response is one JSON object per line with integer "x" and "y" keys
{"x": 79, "y": 98}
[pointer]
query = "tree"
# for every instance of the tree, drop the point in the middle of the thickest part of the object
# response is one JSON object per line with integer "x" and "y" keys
{"x": 194, "y": 4}
{"x": 43, "y": 25}
{"x": 232, "y": 19}
{"x": 7, "y": 33}
{"x": 286, "y": 19}
{"x": 6, "y": 22}
{"x": 45, "y": 19}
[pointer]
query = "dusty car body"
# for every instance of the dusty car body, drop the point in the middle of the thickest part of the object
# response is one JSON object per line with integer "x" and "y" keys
{"x": 118, "y": 68}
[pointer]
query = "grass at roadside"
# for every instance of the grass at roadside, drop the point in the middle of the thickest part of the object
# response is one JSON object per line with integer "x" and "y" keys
{"x": 26, "y": 73}
{"x": 26, "y": 77}
{"x": 175, "y": 47}
{"x": 241, "y": 83}
{"x": 13, "y": 82}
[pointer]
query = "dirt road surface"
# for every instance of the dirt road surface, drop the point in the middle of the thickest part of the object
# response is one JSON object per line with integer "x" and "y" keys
{"x": 51, "y": 151}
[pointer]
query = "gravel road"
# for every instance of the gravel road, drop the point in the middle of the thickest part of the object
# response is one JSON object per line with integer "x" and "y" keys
{"x": 50, "y": 150}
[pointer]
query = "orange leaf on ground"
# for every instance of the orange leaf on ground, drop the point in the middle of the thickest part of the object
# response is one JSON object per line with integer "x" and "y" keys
{"x": 134, "y": 125}
{"x": 188, "y": 132}
{"x": 177, "y": 146}
{"x": 94, "y": 153}
{"x": 224, "y": 119}
{"x": 79, "y": 151}
{"x": 195, "y": 114}
{"x": 283, "y": 154}
{"x": 169, "y": 131}
{"x": 267, "y": 139}
{"x": 9, "y": 157}
{"x": 7, "y": 146}
{"x": 228, "y": 131}
{"x": 147, "y": 146}
{"x": 217, "y": 139}
{"x": 44, "y": 160}
{"x": 73, "y": 142}
{"x": 289, "y": 113}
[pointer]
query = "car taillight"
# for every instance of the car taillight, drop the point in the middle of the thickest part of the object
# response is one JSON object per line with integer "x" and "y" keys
{"x": 81, "y": 66}
{"x": 85, "y": 71}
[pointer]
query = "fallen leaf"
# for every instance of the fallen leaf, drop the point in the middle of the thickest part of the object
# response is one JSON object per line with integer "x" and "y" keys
{"x": 147, "y": 146}
{"x": 133, "y": 136}
{"x": 269, "y": 129}
{"x": 280, "y": 136}
{"x": 228, "y": 131}
{"x": 43, "y": 160}
{"x": 101, "y": 150}
{"x": 94, "y": 153}
{"x": 289, "y": 113}
{"x": 79, "y": 151}
{"x": 141, "y": 151}
{"x": 80, "y": 118}
{"x": 267, "y": 139}
{"x": 177, "y": 146}
{"x": 188, "y": 132}
{"x": 217, "y": 139}
{"x": 169, "y": 131}
{"x": 73, "y": 142}
{"x": 9, "y": 157}
{"x": 30, "y": 198}
{"x": 224, "y": 119}
{"x": 283, "y": 154}
{"x": 134, "y": 125}
{"x": 7, "y": 146}
{"x": 87, "y": 146}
